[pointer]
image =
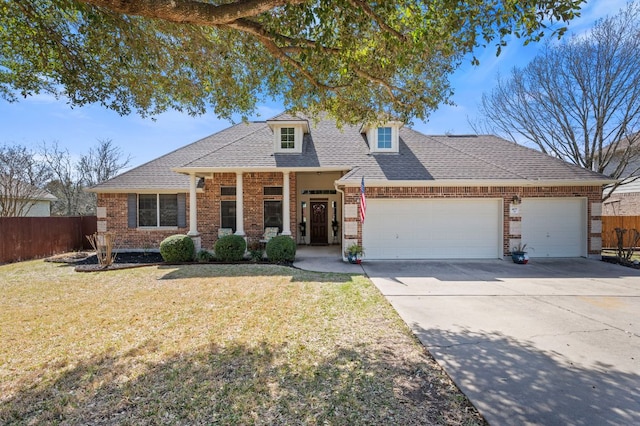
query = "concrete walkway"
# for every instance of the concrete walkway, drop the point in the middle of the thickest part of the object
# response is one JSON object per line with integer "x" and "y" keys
{"x": 324, "y": 259}
{"x": 554, "y": 342}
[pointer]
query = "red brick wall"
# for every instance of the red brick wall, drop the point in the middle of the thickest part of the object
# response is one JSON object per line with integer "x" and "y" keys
{"x": 593, "y": 194}
{"x": 253, "y": 183}
{"x": 125, "y": 237}
{"x": 208, "y": 211}
{"x": 253, "y": 197}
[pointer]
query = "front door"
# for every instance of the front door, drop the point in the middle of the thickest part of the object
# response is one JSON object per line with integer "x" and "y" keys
{"x": 319, "y": 224}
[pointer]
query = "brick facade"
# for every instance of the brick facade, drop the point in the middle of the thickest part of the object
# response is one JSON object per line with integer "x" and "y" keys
{"x": 253, "y": 184}
{"x": 593, "y": 194}
{"x": 208, "y": 211}
{"x": 130, "y": 238}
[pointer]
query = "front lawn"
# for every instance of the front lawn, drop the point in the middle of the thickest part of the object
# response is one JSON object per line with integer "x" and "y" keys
{"x": 205, "y": 344}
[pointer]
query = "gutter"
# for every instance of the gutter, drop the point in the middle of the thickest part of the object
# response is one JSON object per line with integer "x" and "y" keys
{"x": 474, "y": 182}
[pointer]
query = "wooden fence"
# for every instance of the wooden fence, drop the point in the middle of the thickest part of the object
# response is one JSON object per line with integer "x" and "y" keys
{"x": 610, "y": 223}
{"x": 23, "y": 238}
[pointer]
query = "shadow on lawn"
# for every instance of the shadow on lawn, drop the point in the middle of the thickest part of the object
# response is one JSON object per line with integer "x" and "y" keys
{"x": 176, "y": 272}
{"x": 516, "y": 383}
{"x": 239, "y": 384}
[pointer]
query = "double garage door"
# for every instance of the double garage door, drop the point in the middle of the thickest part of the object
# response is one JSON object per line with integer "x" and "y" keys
{"x": 470, "y": 228}
{"x": 433, "y": 229}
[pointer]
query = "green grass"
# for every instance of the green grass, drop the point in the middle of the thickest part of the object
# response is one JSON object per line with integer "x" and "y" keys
{"x": 205, "y": 344}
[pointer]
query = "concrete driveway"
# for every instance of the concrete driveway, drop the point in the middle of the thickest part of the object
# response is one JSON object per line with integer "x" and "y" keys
{"x": 551, "y": 342}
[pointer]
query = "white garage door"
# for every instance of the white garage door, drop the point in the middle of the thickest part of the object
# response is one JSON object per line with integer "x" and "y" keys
{"x": 554, "y": 227}
{"x": 433, "y": 229}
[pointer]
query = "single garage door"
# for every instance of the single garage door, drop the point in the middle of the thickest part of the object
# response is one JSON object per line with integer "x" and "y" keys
{"x": 554, "y": 227}
{"x": 433, "y": 229}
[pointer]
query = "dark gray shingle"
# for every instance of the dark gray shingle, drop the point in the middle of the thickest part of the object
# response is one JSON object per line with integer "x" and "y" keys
{"x": 420, "y": 158}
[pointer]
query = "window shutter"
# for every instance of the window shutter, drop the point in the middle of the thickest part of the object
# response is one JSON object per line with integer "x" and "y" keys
{"x": 182, "y": 210}
{"x": 132, "y": 210}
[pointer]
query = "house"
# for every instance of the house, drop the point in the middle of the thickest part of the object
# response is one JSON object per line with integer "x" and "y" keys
{"x": 427, "y": 197}
{"x": 23, "y": 199}
{"x": 623, "y": 199}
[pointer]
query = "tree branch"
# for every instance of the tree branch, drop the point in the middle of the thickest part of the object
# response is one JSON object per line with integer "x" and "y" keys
{"x": 268, "y": 42}
{"x": 381, "y": 23}
{"x": 190, "y": 11}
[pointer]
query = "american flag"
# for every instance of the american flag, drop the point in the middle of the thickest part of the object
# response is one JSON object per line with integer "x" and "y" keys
{"x": 363, "y": 202}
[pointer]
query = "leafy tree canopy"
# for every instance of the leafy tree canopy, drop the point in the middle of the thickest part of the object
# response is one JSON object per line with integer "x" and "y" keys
{"x": 354, "y": 58}
{"x": 578, "y": 100}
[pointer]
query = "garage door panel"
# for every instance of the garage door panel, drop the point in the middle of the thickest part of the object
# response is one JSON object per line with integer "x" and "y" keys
{"x": 433, "y": 229}
{"x": 554, "y": 227}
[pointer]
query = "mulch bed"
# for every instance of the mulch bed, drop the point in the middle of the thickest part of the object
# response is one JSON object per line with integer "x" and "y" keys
{"x": 88, "y": 262}
{"x": 614, "y": 259}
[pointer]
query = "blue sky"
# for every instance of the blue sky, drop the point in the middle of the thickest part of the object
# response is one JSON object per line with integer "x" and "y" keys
{"x": 42, "y": 118}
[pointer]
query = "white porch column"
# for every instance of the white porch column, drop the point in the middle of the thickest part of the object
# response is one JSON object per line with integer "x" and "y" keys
{"x": 193, "y": 214}
{"x": 193, "y": 208}
{"x": 239, "y": 205}
{"x": 286, "y": 205}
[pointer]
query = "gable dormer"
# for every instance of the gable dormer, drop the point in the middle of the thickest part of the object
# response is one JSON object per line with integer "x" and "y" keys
{"x": 288, "y": 133}
{"x": 383, "y": 137}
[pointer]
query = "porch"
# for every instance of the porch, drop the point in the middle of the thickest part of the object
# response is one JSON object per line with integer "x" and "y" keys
{"x": 302, "y": 204}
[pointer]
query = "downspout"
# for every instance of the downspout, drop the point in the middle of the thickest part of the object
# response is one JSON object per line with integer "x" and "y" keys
{"x": 335, "y": 184}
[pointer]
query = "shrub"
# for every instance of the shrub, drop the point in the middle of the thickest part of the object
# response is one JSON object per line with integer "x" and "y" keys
{"x": 281, "y": 249}
{"x": 230, "y": 248}
{"x": 256, "y": 252}
{"x": 204, "y": 256}
{"x": 177, "y": 248}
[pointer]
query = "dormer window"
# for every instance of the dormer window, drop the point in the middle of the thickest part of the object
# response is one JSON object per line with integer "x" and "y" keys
{"x": 287, "y": 138}
{"x": 384, "y": 137}
{"x": 288, "y": 134}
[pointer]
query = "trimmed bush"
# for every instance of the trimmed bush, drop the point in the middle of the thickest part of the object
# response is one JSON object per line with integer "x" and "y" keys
{"x": 281, "y": 249}
{"x": 230, "y": 248}
{"x": 177, "y": 248}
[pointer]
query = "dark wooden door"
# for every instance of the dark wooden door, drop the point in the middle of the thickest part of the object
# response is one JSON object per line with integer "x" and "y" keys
{"x": 319, "y": 222}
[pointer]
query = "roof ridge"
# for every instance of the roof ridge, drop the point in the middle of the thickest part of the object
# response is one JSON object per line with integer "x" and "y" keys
{"x": 480, "y": 158}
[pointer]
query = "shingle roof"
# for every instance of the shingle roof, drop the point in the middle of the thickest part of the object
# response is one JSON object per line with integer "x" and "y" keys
{"x": 420, "y": 158}
{"x": 157, "y": 174}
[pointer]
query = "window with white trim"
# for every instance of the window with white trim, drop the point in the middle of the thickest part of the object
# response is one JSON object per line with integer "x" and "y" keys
{"x": 287, "y": 138}
{"x": 157, "y": 210}
{"x": 384, "y": 138}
